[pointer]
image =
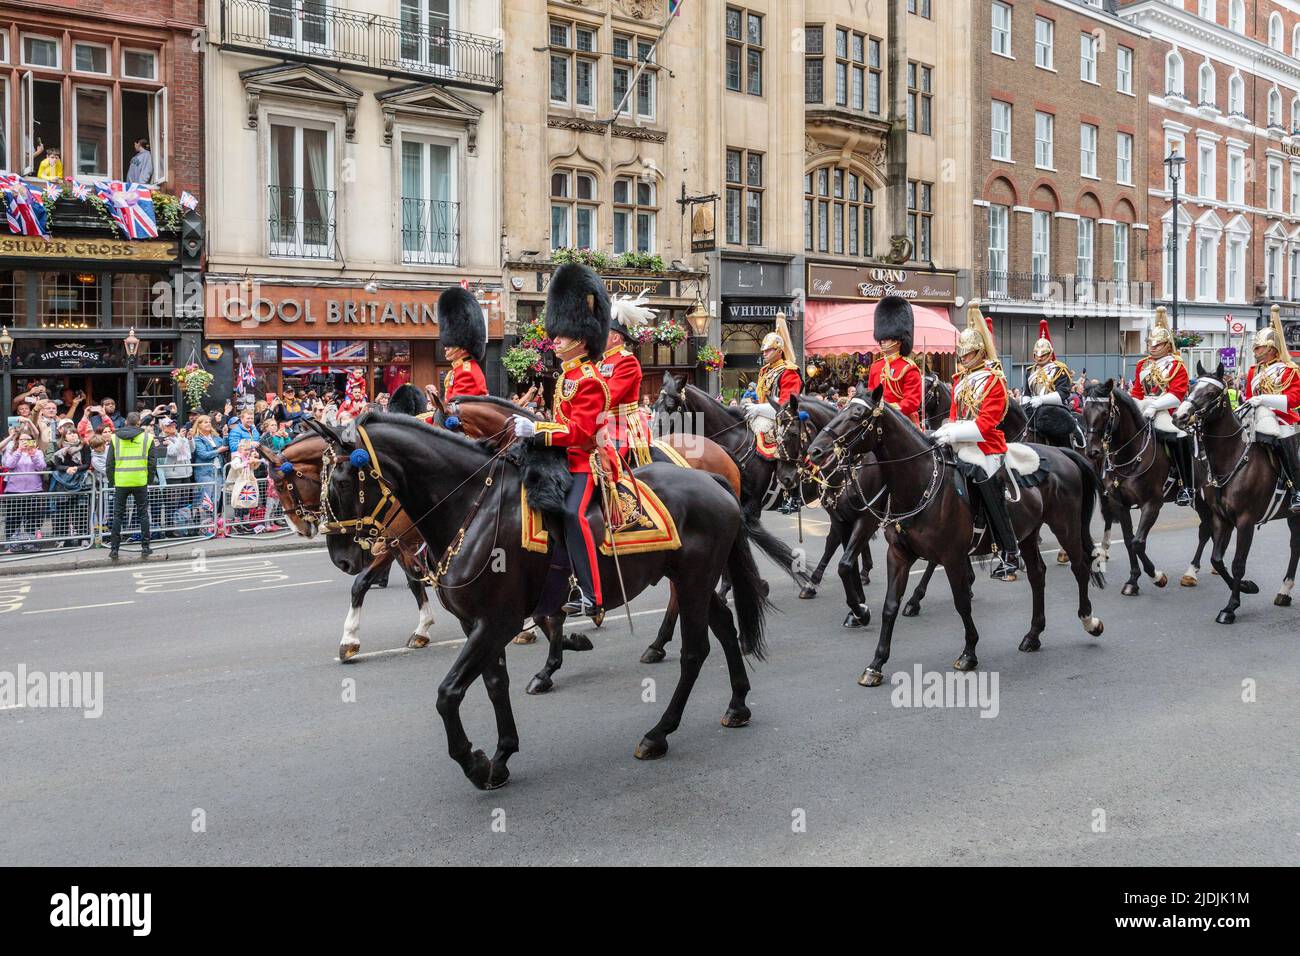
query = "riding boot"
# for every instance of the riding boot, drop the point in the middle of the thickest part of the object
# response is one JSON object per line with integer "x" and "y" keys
{"x": 1286, "y": 457}
{"x": 556, "y": 585}
{"x": 581, "y": 544}
{"x": 1180, "y": 453}
{"x": 995, "y": 510}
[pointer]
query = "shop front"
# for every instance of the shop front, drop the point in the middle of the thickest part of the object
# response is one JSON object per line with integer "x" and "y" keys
{"x": 671, "y": 294}
{"x": 839, "y": 318}
{"x": 70, "y": 306}
{"x": 754, "y": 291}
{"x": 263, "y": 339}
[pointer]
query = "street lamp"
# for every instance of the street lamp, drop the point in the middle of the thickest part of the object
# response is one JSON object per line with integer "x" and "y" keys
{"x": 132, "y": 344}
{"x": 6, "y": 346}
{"x": 698, "y": 318}
{"x": 1174, "y": 163}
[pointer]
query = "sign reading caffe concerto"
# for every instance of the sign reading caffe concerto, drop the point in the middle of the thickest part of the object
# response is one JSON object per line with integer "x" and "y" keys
{"x": 826, "y": 281}
{"x": 273, "y": 311}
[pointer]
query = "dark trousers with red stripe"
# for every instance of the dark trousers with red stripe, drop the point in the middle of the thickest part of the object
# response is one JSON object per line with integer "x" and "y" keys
{"x": 578, "y": 537}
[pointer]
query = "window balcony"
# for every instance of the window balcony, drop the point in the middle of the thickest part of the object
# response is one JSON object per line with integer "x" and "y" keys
{"x": 314, "y": 31}
{"x": 1000, "y": 286}
{"x": 301, "y": 222}
{"x": 430, "y": 232}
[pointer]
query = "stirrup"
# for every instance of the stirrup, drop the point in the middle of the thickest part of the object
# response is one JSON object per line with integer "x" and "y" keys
{"x": 1295, "y": 502}
{"x": 1184, "y": 497}
{"x": 1008, "y": 564}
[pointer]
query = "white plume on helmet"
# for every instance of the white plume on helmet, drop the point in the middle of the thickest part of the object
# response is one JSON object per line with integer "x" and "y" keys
{"x": 630, "y": 313}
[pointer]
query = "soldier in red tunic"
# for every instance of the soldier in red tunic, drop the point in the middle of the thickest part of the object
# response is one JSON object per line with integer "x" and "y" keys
{"x": 777, "y": 380}
{"x": 894, "y": 370}
{"x": 1160, "y": 387}
{"x": 463, "y": 331}
{"x": 979, "y": 401}
{"x": 627, "y": 428}
{"x": 577, "y": 321}
{"x": 1273, "y": 391}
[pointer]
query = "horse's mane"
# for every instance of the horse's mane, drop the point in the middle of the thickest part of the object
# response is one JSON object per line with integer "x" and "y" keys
{"x": 482, "y": 446}
{"x": 704, "y": 396}
{"x": 1121, "y": 395}
{"x": 828, "y": 408}
{"x": 502, "y": 403}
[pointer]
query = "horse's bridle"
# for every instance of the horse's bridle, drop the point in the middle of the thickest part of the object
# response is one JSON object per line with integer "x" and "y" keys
{"x": 1109, "y": 465}
{"x": 299, "y": 509}
{"x": 367, "y": 531}
{"x": 1196, "y": 425}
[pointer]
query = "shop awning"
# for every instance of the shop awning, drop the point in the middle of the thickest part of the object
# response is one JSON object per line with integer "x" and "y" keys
{"x": 831, "y": 328}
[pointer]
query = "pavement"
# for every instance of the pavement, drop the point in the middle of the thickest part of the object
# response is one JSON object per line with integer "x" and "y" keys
{"x": 164, "y": 549}
{"x": 230, "y": 734}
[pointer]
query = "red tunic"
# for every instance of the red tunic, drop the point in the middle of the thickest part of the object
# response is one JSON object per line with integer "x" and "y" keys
{"x": 1145, "y": 384}
{"x": 902, "y": 381}
{"x": 580, "y": 406}
{"x": 622, "y": 374}
{"x": 465, "y": 378}
{"x": 778, "y": 381}
{"x": 1281, "y": 379}
{"x": 983, "y": 399}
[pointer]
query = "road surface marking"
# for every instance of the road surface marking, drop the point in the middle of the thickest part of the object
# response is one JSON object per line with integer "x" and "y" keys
{"x": 296, "y": 584}
{"x": 183, "y": 576}
{"x": 136, "y": 566}
{"x": 78, "y": 607}
{"x": 13, "y": 593}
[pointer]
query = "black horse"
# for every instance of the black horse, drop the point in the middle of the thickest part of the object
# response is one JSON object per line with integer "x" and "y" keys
{"x": 930, "y": 517}
{"x": 1241, "y": 487}
{"x": 1134, "y": 468}
{"x": 465, "y": 498}
{"x": 759, "y": 489}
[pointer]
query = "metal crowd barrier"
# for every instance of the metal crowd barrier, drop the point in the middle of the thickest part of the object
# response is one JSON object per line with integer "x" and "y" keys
{"x": 181, "y": 511}
{"x": 41, "y": 522}
{"x": 266, "y": 518}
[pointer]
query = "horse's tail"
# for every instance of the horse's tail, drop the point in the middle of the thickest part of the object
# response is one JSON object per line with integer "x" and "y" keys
{"x": 773, "y": 547}
{"x": 1091, "y": 494}
{"x": 749, "y": 591}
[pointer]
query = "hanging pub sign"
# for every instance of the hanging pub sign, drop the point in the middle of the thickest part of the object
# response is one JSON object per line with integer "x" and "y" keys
{"x": 704, "y": 226}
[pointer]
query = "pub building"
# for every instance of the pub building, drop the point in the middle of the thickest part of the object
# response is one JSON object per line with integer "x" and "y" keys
{"x": 71, "y": 304}
{"x": 311, "y": 336}
{"x": 673, "y": 295}
{"x": 754, "y": 290}
{"x": 840, "y": 316}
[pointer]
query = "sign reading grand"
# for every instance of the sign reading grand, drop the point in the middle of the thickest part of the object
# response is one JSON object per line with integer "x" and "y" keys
{"x": 272, "y": 311}
{"x": 107, "y": 250}
{"x": 876, "y": 282}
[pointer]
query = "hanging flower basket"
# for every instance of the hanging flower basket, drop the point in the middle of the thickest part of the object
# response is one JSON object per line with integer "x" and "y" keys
{"x": 1188, "y": 340}
{"x": 533, "y": 336}
{"x": 711, "y": 358}
{"x": 522, "y": 363}
{"x": 194, "y": 381}
{"x": 670, "y": 332}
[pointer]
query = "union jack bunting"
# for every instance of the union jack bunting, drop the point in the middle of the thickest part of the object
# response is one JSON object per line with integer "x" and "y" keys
{"x": 25, "y": 208}
{"x": 131, "y": 206}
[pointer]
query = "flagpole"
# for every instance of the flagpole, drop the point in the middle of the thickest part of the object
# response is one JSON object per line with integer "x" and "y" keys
{"x": 643, "y": 63}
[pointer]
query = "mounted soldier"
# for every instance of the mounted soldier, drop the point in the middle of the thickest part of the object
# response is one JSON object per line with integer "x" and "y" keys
{"x": 778, "y": 379}
{"x": 627, "y": 428}
{"x": 577, "y": 321}
{"x": 1160, "y": 386}
{"x": 1273, "y": 392}
{"x": 463, "y": 330}
{"x": 894, "y": 370}
{"x": 1047, "y": 393}
{"x": 979, "y": 401}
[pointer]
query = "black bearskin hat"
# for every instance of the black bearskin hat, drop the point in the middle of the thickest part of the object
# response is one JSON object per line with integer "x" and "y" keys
{"x": 577, "y": 307}
{"x": 407, "y": 400}
{"x": 893, "y": 320}
{"x": 461, "y": 324}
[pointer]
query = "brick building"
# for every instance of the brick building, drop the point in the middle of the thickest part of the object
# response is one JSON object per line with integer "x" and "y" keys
{"x": 91, "y": 78}
{"x": 1225, "y": 95}
{"x": 1058, "y": 155}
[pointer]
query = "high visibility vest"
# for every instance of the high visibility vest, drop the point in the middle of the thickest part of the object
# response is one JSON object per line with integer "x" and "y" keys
{"x": 131, "y": 460}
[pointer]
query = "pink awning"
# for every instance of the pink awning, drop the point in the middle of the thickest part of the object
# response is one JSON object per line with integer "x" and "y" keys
{"x": 831, "y": 328}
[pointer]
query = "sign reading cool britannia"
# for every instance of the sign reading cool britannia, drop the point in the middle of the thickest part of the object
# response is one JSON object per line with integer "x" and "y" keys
{"x": 876, "y": 282}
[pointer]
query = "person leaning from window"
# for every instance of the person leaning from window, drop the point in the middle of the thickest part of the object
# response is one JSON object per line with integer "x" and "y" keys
{"x": 51, "y": 166}
{"x": 141, "y": 168}
{"x": 132, "y": 467}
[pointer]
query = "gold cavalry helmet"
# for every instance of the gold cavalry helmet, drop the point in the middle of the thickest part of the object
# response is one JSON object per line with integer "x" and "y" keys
{"x": 780, "y": 339}
{"x": 1044, "y": 344}
{"x": 1271, "y": 336}
{"x": 1160, "y": 333}
{"x": 977, "y": 336}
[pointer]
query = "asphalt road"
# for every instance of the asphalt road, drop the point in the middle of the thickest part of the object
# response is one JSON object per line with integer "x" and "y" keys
{"x": 226, "y": 738}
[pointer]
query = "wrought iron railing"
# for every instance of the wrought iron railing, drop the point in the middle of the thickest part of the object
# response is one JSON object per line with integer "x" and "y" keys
{"x": 301, "y": 222}
{"x": 1017, "y": 286}
{"x": 316, "y": 31}
{"x": 430, "y": 232}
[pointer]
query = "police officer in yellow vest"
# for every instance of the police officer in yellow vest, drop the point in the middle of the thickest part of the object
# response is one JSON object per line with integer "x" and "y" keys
{"x": 131, "y": 468}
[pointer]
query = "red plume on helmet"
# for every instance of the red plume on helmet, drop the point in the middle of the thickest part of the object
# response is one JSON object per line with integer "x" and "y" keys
{"x": 1044, "y": 344}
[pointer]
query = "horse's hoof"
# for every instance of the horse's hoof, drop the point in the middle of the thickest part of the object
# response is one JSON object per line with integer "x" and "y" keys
{"x": 1062, "y": 557}
{"x": 652, "y": 655}
{"x": 1006, "y": 578}
{"x": 1161, "y": 581}
{"x": 417, "y": 641}
{"x": 526, "y": 637}
{"x": 866, "y": 581}
{"x": 1187, "y": 581}
{"x": 966, "y": 662}
{"x": 576, "y": 642}
{"x": 1248, "y": 587}
{"x": 540, "y": 684}
{"x": 348, "y": 651}
{"x": 871, "y": 678}
{"x": 736, "y": 717}
{"x": 1093, "y": 625}
{"x": 498, "y": 779}
{"x": 859, "y": 617}
{"x": 1282, "y": 600}
{"x": 649, "y": 749}
{"x": 1030, "y": 643}
{"x": 479, "y": 769}
{"x": 1226, "y": 617}
{"x": 911, "y": 609}
{"x": 1130, "y": 590}
{"x": 1214, "y": 571}
{"x": 807, "y": 593}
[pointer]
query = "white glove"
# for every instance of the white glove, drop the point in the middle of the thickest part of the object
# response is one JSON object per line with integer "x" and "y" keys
{"x": 1148, "y": 410}
{"x": 756, "y": 408}
{"x": 1035, "y": 401}
{"x": 1275, "y": 402}
{"x": 941, "y": 434}
{"x": 1051, "y": 398}
{"x": 524, "y": 427}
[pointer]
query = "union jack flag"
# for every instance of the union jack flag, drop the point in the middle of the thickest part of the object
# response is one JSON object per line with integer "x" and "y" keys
{"x": 131, "y": 206}
{"x": 300, "y": 350}
{"x": 246, "y": 376}
{"x": 80, "y": 191}
{"x": 53, "y": 191}
{"x": 25, "y": 208}
{"x": 346, "y": 351}
{"x": 188, "y": 201}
